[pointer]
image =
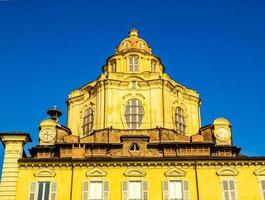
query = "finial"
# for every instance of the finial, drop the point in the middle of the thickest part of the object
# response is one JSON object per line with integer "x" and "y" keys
{"x": 133, "y": 32}
{"x": 54, "y": 113}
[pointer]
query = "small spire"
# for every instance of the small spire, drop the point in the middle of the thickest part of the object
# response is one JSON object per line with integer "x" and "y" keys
{"x": 133, "y": 32}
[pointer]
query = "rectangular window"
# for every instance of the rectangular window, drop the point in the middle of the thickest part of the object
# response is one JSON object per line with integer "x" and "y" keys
{"x": 134, "y": 84}
{"x": 135, "y": 190}
{"x": 133, "y": 64}
{"x": 175, "y": 190}
{"x": 229, "y": 190}
{"x": 262, "y": 186}
{"x": 43, "y": 190}
{"x": 96, "y": 190}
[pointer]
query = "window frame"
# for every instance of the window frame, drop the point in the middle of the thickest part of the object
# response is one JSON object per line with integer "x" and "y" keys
{"x": 113, "y": 65}
{"x": 180, "y": 121}
{"x": 229, "y": 190}
{"x": 262, "y": 190}
{"x": 90, "y": 186}
{"x": 134, "y": 110}
{"x": 34, "y": 193}
{"x": 153, "y": 65}
{"x": 140, "y": 192}
{"x": 133, "y": 63}
{"x": 88, "y": 121}
{"x": 182, "y": 192}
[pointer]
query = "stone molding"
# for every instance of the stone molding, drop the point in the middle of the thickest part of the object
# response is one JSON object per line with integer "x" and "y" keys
{"x": 175, "y": 172}
{"x": 96, "y": 172}
{"x": 44, "y": 173}
{"x": 227, "y": 171}
{"x": 135, "y": 173}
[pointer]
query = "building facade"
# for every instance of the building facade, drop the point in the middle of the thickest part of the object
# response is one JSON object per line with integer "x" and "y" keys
{"x": 132, "y": 134}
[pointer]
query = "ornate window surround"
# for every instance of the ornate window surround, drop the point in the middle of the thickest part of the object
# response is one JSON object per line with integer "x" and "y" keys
{"x": 226, "y": 174}
{"x": 125, "y": 99}
{"x": 84, "y": 109}
{"x": 177, "y": 104}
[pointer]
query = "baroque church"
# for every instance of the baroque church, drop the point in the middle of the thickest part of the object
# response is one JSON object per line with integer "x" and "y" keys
{"x": 132, "y": 134}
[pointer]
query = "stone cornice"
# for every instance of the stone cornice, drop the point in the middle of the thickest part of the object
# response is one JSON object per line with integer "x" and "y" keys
{"x": 120, "y": 162}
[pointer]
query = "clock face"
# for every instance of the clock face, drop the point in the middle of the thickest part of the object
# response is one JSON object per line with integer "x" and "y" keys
{"x": 223, "y": 134}
{"x": 47, "y": 134}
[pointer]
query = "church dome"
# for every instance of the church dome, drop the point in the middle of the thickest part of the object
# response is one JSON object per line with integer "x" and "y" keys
{"x": 133, "y": 42}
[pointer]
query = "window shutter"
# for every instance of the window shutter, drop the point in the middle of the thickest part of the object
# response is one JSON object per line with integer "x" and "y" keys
{"x": 186, "y": 193}
{"x": 33, "y": 191}
{"x": 85, "y": 187}
{"x": 145, "y": 190}
{"x": 53, "y": 191}
{"x": 125, "y": 190}
{"x": 165, "y": 190}
{"x": 105, "y": 190}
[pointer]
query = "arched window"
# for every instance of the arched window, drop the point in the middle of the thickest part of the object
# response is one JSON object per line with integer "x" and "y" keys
{"x": 88, "y": 120}
{"x": 153, "y": 65}
{"x": 134, "y": 113}
{"x": 133, "y": 63}
{"x": 113, "y": 65}
{"x": 180, "y": 121}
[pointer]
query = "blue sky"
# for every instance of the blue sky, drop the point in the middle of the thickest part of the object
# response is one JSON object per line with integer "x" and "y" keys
{"x": 48, "y": 48}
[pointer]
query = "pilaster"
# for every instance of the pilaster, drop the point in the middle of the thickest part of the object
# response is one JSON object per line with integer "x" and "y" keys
{"x": 13, "y": 144}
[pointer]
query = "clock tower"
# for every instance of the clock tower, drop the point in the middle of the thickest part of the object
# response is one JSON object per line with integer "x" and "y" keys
{"x": 49, "y": 128}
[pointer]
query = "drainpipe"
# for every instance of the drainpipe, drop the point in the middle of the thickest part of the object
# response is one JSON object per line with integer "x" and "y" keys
{"x": 72, "y": 178}
{"x": 197, "y": 183}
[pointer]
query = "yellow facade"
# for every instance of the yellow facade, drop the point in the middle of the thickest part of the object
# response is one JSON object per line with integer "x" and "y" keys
{"x": 133, "y": 133}
{"x": 247, "y": 184}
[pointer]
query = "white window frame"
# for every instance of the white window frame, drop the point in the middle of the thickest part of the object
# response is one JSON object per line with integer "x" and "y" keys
{"x": 86, "y": 188}
{"x": 129, "y": 188}
{"x": 185, "y": 188}
{"x": 144, "y": 193}
{"x": 229, "y": 190}
{"x": 169, "y": 191}
{"x": 52, "y": 193}
{"x": 133, "y": 63}
{"x": 262, "y": 191}
{"x": 88, "y": 121}
{"x": 90, "y": 190}
{"x": 129, "y": 107}
{"x": 180, "y": 120}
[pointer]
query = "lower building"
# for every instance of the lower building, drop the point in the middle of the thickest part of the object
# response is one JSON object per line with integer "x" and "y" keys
{"x": 132, "y": 134}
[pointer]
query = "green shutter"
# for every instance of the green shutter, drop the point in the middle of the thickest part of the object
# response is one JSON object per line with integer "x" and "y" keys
{"x": 186, "y": 192}
{"x": 33, "y": 191}
{"x": 145, "y": 190}
{"x": 105, "y": 190}
{"x": 165, "y": 190}
{"x": 53, "y": 190}
{"x": 85, "y": 188}
{"x": 125, "y": 192}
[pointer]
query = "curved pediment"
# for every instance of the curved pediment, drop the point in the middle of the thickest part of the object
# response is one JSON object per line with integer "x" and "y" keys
{"x": 175, "y": 172}
{"x": 45, "y": 173}
{"x": 260, "y": 171}
{"x": 135, "y": 173}
{"x": 96, "y": 172}
{"x": 227, "y": 171}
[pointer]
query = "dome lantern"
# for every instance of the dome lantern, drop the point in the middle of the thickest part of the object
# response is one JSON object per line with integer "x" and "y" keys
{"x": 133, "y": 32}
